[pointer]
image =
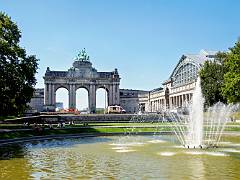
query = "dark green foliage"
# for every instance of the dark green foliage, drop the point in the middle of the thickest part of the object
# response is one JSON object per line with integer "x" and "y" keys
{"x": 212, "y": 75}
{"x": 221, "y": 78}
{"x": 17, "y": 70}
{"x": 231, "y": 87}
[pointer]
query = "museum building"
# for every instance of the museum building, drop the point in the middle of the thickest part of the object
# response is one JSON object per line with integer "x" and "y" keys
{"x": 176, "y": 91}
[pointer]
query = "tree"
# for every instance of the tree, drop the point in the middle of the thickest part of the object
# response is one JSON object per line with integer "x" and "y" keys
{"x": 17, "y": 69}
{"x": 212, "y": 75}
{"x": 231, "y": 86}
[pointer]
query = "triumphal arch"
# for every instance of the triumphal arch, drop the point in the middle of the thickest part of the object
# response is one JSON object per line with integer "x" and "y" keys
{"x": 81, "y": 75}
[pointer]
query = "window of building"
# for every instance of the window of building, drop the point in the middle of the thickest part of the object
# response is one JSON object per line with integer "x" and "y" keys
{"x": 185, "y": 74}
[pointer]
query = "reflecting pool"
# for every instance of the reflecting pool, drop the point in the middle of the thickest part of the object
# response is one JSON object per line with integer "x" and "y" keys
{"x": 119, "y": 157}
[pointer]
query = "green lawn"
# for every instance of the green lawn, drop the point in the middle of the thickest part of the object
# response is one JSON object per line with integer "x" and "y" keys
{"x": 94, "y": 128}
{"x": 99, "y": 125}
{"x": 7, "y": 117}
{"x": 20, "y": 126}
{"x": 89, "y": 129}
{"x": 30, "y": 133}
{"x": 236, "y": 115}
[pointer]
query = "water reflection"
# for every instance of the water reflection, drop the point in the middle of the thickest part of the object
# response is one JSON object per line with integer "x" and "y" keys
{"x": 196, "y": 167}
{"x": 11, "y": 151}
{"x": 141, "y": 157}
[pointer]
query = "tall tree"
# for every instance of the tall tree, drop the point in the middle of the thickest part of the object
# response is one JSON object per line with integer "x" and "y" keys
{"x": 231, "y": 86}
{"x": 17, "y": 69}
{"x": 212, "y": 75}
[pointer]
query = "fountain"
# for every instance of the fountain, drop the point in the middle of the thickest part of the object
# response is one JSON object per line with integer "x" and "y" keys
{"x": 201, "y": 129}
{"x": 134, "y": 155}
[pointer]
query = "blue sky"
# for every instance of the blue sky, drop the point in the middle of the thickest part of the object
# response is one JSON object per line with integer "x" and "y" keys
{"x": 143, "y": 39}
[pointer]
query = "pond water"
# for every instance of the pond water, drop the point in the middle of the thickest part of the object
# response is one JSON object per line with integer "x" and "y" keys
{"x": 119, "y": 157}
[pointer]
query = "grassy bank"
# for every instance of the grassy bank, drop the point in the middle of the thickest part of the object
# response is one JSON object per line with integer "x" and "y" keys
{"x": 7, "y": 117}
{"x": 92, "y": 129}
{"x": 236, "y": 115}
{"x": 20, "y": 126}
{"x": 31, "y": 133}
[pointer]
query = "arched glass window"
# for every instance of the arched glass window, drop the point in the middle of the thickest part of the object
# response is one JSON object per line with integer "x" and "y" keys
{"x": 185, "y": 74}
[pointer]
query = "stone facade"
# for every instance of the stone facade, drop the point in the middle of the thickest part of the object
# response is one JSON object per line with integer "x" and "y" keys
{"x": 81, "y": 75}
{"x": 37, "y": 101}
{"x": 129, "y": 99}
{"x": 178, "y": 89}
{"x": 175, "y": 93}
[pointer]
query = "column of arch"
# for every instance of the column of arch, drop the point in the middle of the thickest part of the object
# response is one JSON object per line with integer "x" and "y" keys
{"x": 111, "y": 93}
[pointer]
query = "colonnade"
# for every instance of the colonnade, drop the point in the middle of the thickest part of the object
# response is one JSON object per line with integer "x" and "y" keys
{"x": 179, "y": 100}
{"x": 158, "y": 105}
{"x": 175, "y": 101}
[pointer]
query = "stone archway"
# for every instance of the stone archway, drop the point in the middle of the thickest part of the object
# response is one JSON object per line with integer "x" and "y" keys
{"x": 81, "y": 74}
{"x": 102, "y": 94}
{"x": 82, "y": 95}
{"x": 62, "y": 96}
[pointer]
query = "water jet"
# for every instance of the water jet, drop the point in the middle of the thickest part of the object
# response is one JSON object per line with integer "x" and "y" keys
{"x": 201, "y": 129}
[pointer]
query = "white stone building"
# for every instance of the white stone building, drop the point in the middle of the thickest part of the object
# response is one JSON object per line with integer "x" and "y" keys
{"x": 178, "y": 89}
{"x": 81, "y": 75}
{"x": 129, "y": 99}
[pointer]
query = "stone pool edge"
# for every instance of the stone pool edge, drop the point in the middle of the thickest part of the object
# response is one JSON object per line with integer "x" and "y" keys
{"x": 82, "y": 135}
{"x": 61, "y": 136}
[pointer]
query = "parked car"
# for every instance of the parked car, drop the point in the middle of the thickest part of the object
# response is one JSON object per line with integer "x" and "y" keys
{"x": 115, "y": 110}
